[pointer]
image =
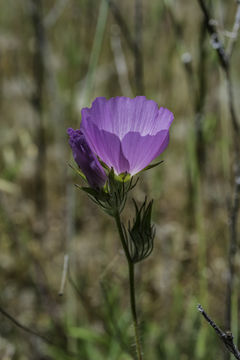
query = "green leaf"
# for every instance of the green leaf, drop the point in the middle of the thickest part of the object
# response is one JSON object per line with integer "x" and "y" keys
{"x": 87, "y": 335}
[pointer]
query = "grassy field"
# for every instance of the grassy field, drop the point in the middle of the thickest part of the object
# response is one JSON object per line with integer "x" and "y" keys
{"x": 55, "y": 58}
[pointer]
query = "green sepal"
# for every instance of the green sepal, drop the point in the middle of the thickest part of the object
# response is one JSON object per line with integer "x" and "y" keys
{"x": 123, "y": 177}
{"x": 96, "y": 194}
{"x": 90, "y": 191}
{"x": 103, "y": 164}
{"x": 151, "y": 166}
{"x": 78, "y": 171}
{"x": 112, "y": 197}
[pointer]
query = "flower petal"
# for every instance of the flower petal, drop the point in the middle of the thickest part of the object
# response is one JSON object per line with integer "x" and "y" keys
{"x": 106, "y": 145}
{"x": 141, "y": 150}
{"x": 164, "y": 119}
{"x": 121, "y": 115}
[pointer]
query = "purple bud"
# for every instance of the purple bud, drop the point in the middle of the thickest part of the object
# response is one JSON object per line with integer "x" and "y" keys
{"x": 86, "y": 159}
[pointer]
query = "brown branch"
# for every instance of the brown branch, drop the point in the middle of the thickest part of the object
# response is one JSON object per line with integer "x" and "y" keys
{"x": 226, "y": 337}
{"x": 224, "y": 60}
{"x": 25, "y": 328}
{"x": 216, "y": 42}
{"x": 35, "y": 333}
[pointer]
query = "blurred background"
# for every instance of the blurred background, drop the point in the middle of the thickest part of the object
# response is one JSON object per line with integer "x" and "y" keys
{"x": 56, "y": 56}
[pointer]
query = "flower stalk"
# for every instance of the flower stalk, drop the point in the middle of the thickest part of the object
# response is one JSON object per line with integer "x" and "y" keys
{"x": 131, "y": 269}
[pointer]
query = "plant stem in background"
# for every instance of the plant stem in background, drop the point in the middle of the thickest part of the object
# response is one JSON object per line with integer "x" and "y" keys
{"x": 95, "y": 52}
{"x": 37, "y": 101}
{"x": 197, "y": 88}
{"x": 71, "y": 302}
{"x": 138, "y": 48}
{"x": 224, "y": 57}
{"x": 134, "y": 42}
{"x": 120, "y": 61}
{"x": 131, "y": 287}
{"x": 197, "y": 82}
{"x": 200, "y": 100}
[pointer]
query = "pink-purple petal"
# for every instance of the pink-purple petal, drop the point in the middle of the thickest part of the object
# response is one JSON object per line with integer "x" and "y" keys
{"x": 164, "y": 119}
{"x": 141, "y": 150}
{"x": 121, "y": 115}
{"x": 106, "y": 146}
{"x": 127, "y": 134}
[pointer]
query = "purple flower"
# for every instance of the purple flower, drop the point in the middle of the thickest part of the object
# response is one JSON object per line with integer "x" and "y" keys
{"x": 126, "y": 134}
{"x": 86, "y": 159}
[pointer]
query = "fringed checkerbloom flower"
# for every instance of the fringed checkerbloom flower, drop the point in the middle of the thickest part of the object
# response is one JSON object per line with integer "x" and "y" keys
{"x": 125, "y": 134}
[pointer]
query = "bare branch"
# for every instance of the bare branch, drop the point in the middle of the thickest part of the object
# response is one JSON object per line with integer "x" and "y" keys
{"x": 216, "y": 42}
{"x": 226, "y": 337}
{"x": 25, "y": 328}
{"x": 36, "y": 333}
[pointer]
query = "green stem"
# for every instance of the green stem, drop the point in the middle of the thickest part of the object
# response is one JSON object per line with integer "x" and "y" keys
{"x": 131, "y": 287}
{"x": 133, "y": 309}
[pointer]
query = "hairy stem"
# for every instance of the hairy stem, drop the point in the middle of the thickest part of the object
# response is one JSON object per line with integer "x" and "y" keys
{"x": 133, "y": 309}
{"x": 131, "y": 287}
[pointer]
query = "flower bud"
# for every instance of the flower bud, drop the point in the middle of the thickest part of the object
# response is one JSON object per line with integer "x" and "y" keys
{"x": 140, "y": 235}
{"x": 86, "y": 159}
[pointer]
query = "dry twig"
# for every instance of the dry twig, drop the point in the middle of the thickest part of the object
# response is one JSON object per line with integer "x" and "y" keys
{"x": 25, "y": 328}
{"x": 226, "y": 337}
